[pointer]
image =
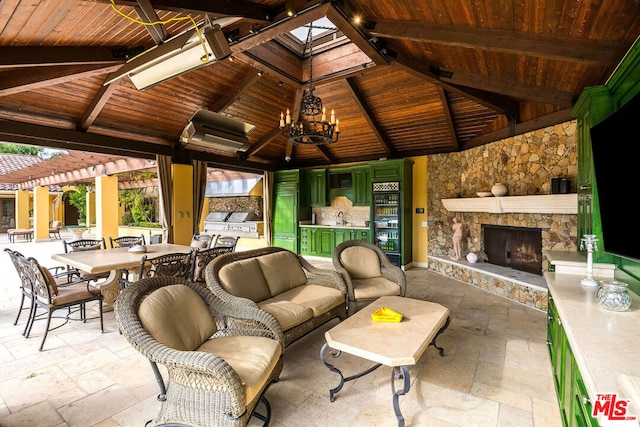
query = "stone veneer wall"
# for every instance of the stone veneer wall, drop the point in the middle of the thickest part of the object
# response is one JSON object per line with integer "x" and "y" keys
{"x": 526, "y": 164}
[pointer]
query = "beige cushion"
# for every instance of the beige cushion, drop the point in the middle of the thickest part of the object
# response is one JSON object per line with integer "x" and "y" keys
{"x": 319, "y": 299}
{"x": 374, "y": 287}
{"x": 253, "y": 359}
{"x": 244, "y": 278}
{"x": 361, "y": 262}
{"x": 51, "y": 281}
{"x": 177, "y": 316}
{"x": 282, "y": 271}
{"x": 75, "y": 292}
{"x": 288, "y": 314}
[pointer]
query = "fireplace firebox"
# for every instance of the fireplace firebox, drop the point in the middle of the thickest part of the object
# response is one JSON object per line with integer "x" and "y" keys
{"x": 517, "y": 247}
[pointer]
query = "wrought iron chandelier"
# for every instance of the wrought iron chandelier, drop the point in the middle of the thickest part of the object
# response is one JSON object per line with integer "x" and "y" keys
{"x": 308, "y": 129}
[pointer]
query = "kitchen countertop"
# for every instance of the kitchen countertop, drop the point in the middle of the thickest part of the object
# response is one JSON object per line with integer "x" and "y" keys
{"x": 359, "y": 227}
{"x": 605, "y": 344}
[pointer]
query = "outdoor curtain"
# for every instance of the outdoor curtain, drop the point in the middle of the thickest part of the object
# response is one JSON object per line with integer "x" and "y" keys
{"x": 165, "y": 186}
{"x": 199, "y": 189}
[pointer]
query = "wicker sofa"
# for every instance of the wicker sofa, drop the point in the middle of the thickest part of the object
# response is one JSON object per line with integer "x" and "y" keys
{"x": 299, "y": 295}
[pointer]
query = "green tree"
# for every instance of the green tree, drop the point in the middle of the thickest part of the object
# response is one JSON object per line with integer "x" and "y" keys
{"x": 6, "y": 147}
{"x": 139, "y": 209}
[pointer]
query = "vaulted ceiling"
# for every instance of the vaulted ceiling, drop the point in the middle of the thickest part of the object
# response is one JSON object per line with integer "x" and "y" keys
{"x": 405, "y": 78}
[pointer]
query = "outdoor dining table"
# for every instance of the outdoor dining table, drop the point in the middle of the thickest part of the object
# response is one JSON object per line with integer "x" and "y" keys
{"x": 114, "y": 261}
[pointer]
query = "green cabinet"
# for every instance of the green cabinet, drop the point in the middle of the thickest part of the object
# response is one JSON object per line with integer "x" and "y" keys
{"x": 288, "y": 210}
{"x": 387, "y": 170}
{"x": 575, "y": 407}
{"x": 317, "y": 187}
{"x": 361, "y": 178}
{"x": 321, "y": 241}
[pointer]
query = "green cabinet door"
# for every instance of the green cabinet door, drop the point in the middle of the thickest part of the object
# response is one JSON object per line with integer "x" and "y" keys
{"x": 360, "y": 235}
{"x": 325, "y": 242}
{"x": 285, "y": 218}
{"x": 361, "y": 181}
{"x": 308, "y": 241}
{"x": 340, "y": 235}
{"x": 317, "y": 187}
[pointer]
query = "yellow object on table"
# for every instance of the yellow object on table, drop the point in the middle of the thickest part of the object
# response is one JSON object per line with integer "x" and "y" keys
{"x": 385, "y": 314}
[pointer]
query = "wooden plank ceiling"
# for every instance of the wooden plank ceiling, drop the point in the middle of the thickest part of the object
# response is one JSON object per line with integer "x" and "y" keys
{"x": 405, "y": 78}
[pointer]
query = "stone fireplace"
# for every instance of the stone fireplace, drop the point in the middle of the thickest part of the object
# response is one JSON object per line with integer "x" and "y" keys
{"x": 517, "y": 247}
{"x": 526, "y": 164}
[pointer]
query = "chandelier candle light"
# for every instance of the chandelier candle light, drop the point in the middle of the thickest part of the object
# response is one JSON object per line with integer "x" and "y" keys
{"x": 308, "y": 130}
{"x": 590, "y": 241}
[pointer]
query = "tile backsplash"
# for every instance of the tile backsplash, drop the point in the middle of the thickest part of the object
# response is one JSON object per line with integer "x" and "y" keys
{"x": 353, "y": 215}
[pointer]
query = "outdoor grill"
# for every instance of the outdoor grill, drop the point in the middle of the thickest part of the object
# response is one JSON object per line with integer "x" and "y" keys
{"x": 237, "y": 224}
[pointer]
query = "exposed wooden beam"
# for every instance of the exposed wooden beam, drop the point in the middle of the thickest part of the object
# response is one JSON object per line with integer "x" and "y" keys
{"x": 368, "y": 115}
{"x": 234, "y": 94}
{"x": 16, "y": 81}
{"x": 326, "y": 154}
{"x": 283, "y": 26}
{"x": 449, "y": 119}
{"x": 263, "y": 142}
{"x": 496, "y": 102}
{"x": 43, "y": 56}
{"x": 572, "y": 49}
{"x": 45, "y": 136}
{"x": 217, "y": 8}
{"x": 520, "y": 128}
{"x": 147, "y": 13}
{"x": 510, "y": 88}
{"x": 354, "y": 34}
{"x": 96, "y": 105}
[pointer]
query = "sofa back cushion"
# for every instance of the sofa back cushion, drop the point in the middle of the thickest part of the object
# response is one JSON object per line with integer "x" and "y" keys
{"x": 361, "y": 262}
{"x": 244, "y": 278}
{"x": 177, "y": 317}
{"x": 282, "y": 271}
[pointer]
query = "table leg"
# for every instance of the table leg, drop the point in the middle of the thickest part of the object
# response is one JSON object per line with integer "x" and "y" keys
{"x": 110, "y": 289}
{"x": 433, "y": 341}
{"x": 399, "y": 372}
{"x": 332, "y": 368}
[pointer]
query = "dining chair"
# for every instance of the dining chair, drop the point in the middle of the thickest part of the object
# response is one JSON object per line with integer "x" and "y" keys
{"x": 48, "y": 295}
{"x": 226, "y": 241}
{"x": 126, "y": 241}
{"x": 175, "y": 265}
{"x": 201, "y": 241}
{"x": 84, "y": 245}
{"x": 202, "y": 258}
{"x": 54, "y": 229}
{"x": 25, "y": 284}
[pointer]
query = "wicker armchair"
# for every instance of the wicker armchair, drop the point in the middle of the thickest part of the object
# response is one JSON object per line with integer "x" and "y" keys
{"x": 221, "y": 357}
{"x": 367, "y": 272}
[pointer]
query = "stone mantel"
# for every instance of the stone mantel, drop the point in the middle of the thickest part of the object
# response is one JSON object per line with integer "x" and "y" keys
{"x": 546, "y": 204}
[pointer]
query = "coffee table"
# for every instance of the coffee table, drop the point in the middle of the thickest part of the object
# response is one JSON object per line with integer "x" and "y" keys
{"x": 396, "y": 345}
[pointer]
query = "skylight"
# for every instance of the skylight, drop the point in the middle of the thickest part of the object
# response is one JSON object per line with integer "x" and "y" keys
{"x": 320, "y": 26}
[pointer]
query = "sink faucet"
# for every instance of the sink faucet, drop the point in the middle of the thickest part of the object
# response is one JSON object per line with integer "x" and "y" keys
{"x": 340, "y": 218}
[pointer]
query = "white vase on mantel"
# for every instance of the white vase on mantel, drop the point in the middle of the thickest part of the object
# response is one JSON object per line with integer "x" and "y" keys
{"x": 499, "y": 189}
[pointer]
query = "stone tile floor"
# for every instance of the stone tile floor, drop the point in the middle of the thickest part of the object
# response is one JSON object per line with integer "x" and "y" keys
{"x": 495, "y": 371}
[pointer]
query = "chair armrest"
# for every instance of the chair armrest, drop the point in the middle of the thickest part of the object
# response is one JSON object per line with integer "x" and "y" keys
{"x": 242, "y": 320}
{"x": 323, "y": 276}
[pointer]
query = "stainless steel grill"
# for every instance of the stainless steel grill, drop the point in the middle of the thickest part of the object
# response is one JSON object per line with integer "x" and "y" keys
{"x": 238, "y": 224}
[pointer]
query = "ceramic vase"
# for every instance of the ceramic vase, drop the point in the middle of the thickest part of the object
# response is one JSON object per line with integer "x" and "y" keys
{"x": 499, "y": 189}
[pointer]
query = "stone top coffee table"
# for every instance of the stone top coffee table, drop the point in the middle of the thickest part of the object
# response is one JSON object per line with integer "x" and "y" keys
{"x": 396, "y": 345}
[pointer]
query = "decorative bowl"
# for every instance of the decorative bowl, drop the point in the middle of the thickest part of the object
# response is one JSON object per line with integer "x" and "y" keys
{"x": 138, "y": 249}
{"x": 484, "y": 194}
